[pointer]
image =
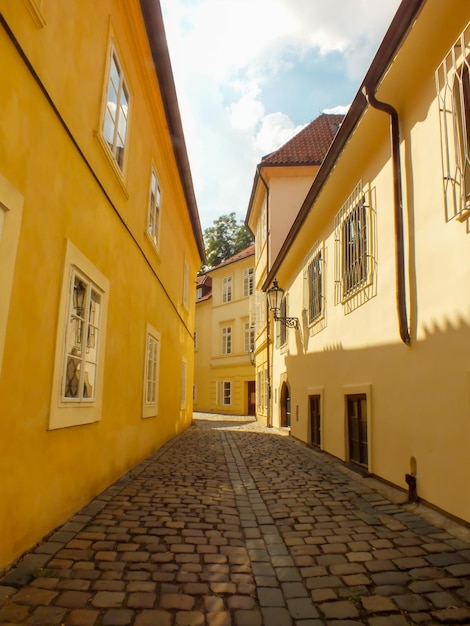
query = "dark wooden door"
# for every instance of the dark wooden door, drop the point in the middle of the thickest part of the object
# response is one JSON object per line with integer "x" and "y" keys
{"x": 357, "y": 427}
{"x": 314, "y": 408}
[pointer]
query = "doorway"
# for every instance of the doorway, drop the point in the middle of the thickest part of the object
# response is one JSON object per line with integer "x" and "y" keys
{"x": 251, "y": 393}
{"x": 285, "y": 406}
{"x": 315, "y": 420}
{"x": 356, "y": 406}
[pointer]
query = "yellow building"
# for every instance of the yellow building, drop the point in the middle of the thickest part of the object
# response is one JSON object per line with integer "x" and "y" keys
{"x": 224, "y": 378}
{"x": 376, "y": 269}
{"x": 100, "y": 242}
{"x": 280, "y": 185}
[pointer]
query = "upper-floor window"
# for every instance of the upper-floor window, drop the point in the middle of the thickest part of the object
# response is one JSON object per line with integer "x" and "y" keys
{"x": 353, "y": 245}
{"x": 227, "y": 340}
{"x": 313, "y": 276}
{"x": 249, "y": 336}
{"x": 227, "y": 289}
{"x": 453, "y": 87}
{"x": 116, "y": 112}
{"x": 248, "y": 282}
{"x": 153, "y": 227}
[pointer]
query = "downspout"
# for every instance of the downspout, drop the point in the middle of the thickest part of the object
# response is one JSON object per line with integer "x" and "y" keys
{"x": 398, "y": 211}
{"x": 268, "y": 321}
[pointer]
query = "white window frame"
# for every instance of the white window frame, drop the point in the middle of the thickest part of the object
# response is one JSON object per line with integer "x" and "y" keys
{"x": 66, "y": 411}
{"x": 151, "y": 372}
{"x": 354, "y": 247}
{"x": 453, "y": 93}
{"x": 226, "y": 346}
{"x": 11, "y": 214}
{"x": 248, "y": 281}
{"x": 314, "y": 270}
{"x": 113, "y": 130}
{"x": 224, "y": 393}
{"x": 154, "y": 210}
{"x": 227, "y": 289}
{"x": 249, "y": 336}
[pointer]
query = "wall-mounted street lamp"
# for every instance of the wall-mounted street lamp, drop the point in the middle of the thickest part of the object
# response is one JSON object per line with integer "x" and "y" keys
{"x": 275, "y": 296}
{"x": 252, "y": 355}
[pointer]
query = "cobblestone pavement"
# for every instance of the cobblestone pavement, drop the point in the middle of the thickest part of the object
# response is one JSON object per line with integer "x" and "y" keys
{"x": 231, "y": 524}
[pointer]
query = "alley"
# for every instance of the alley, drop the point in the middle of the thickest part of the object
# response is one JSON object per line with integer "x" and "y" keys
{"x": 232, "y": 524}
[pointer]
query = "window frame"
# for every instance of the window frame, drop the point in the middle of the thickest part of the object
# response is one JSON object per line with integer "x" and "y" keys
{"x": 70, "y": 412}
{"x": 248, "y": 282}
{"x": 453, "y": 93}
{"x": 227, "y": 289}
{"x": 118, "y": 159}
{"x": 249, "y": 336}
{"x": 154, "y": 210}
{"x": 150, "y": 408}
{"x": 314, "y": 285}
{"x": 224, "y": 393}
{"x": 226, "y": 340}
{"x": 354, "y": 245}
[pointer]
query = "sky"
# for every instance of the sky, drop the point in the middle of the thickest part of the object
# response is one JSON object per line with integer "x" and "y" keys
{"x": 249, "y": 74}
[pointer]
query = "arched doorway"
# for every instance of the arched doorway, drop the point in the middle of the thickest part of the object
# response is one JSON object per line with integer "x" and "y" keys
{"x": 285, "y": 406}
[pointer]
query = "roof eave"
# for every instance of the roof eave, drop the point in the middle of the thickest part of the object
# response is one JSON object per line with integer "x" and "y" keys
{"x": 153, "y": 20}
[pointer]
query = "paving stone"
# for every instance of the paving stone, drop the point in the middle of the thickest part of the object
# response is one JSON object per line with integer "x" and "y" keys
{"x": 411, "y": 603}
{"x": 152, "y": 618}
{"x": 340, "y": 609}
{"x": 452, "y": 615}
{"x": 82, "y": 617}
{"x": 47, "y": 615}
{"x": 117, "y": 617}
{"x": 276, "y": 617}
{"x": 269, "y": 597}
{"x": 377, "y": 604}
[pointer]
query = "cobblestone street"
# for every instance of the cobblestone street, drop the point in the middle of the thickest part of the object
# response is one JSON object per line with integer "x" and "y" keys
{"x": 234, "y": 524}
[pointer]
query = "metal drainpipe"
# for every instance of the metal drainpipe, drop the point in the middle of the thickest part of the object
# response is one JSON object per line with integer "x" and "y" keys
{"x": 268, "y": 320}
{"x": 398, "y": 206}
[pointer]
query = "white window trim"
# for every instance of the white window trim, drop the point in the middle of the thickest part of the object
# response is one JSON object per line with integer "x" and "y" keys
{"x": 119, "y": 171}
{"x": 63, "y": 413}
{"x": 248, "y": 281}
{"x": 11, "y": 214}
{"x": 317, "y": 249}
{"x": 227, "y": 289}
{"x": 150, "y": 409}
{"x": 226, "y": 338}
{"x": 221, "y": 393}
{"x": 154, "y": 236}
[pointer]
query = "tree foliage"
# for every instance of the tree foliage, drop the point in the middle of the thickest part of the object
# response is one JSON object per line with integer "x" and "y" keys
{"x": 225, "y": 238}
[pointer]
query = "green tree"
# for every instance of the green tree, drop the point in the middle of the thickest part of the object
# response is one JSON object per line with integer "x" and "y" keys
{"x": 225, "y": 238}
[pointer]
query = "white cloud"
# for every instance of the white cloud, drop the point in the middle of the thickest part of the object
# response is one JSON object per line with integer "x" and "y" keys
{"x": 338, "y": 110}
{"x": 228, "y": 54}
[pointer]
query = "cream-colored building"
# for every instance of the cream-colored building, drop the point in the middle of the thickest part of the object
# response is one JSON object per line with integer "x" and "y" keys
{"x": 377, "y": 266}
{"x": 224, "y": 378}
{"x": 280, "y": 185}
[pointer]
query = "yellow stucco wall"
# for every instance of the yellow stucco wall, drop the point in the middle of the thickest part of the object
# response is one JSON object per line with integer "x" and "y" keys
{"x": 79, "y": 198}
{"x": 418, "y": 396}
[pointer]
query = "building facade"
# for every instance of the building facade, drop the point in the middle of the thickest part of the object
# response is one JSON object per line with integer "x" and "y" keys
{"x": 100, "y": 243}
{"x": 280, "y": 185}
{"x": 224, "y": 378}
{"x": 377, "y": 373}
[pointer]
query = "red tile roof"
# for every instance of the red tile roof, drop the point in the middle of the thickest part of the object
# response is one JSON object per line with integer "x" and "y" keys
{"x": 310, "y": 145}
{"x": 250, "y": 250}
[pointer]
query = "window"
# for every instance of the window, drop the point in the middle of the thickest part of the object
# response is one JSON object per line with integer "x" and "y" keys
{"x": 313, "y": 276}
{"x": 153, "y": 227}
{"x": 353, "y": 247}
{"x": 227, "y": 289}
{"x": 116, "y": 112}
{"x": 152, "y": 369}
{"x": 315, "y": 420}
{"x": 82, "y": 337}
{"x": 11, "y": 212}
{"x": 453, "y": 87}
{"x": 248, "y": 282}
{"x": 227, "y": 340}
{"x": 79, "y": 363}
{"x": 183, "y": 383}
{"x": 249, "y": 335}
{"x": 195, "y": 340}
{"x": 225, "y": 392}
